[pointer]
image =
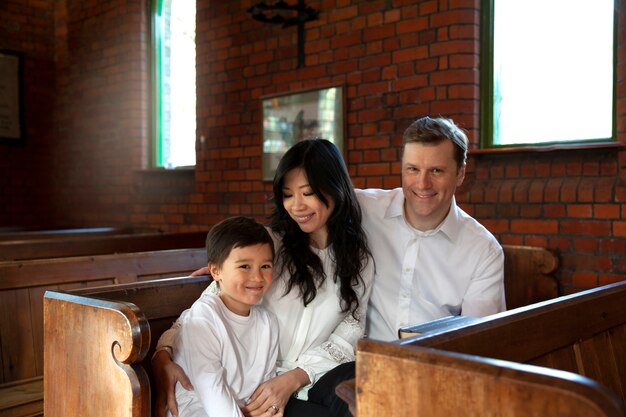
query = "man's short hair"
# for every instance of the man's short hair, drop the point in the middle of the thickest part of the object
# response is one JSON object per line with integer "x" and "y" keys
{"x": 436, "y": 130}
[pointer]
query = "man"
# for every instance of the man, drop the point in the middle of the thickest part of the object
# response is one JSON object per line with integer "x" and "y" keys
{"x": 432, "y": 259}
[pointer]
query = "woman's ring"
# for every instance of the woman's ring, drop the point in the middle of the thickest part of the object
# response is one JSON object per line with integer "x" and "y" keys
{"x": 275, "y": 408}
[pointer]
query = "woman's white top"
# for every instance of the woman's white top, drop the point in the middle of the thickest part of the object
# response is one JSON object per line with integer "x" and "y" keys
{"x": 225, "y": 355}
{"x": 318, "y": 337}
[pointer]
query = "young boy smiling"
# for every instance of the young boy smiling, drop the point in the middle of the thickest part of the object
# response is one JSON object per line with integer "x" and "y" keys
{"x": 227, "y": 344}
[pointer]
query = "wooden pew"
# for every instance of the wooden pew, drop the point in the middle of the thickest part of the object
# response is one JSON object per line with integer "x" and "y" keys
{"x": 22, "y": 398}
{"x": 102, "y": 339}
{"x": 529, "y": 275}
{"x": 23, "y": 283}
{"x": 583, "y": 333}
{"x": 71, "y": 245}
{"x": 139, "y": 403}
{"x": 55, "y": 233}
{"x": 412, "y": 381}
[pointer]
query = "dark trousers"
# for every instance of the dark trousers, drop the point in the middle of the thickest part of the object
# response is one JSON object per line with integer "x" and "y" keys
{"x": 323, "y": 402}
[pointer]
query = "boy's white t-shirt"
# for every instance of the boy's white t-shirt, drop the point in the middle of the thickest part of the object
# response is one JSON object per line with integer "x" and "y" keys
{"x": 225, "y": 355}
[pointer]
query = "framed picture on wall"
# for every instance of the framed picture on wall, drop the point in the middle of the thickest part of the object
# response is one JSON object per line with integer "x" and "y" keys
{"x": 11, "y": 126}
{"x": 289, "y": 118}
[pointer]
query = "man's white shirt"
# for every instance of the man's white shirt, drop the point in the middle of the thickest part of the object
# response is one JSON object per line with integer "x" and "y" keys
{"x": 455, "y": 269}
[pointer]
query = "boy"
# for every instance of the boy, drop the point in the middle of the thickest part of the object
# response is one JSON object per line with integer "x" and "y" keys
{"x": 227, "y": 344}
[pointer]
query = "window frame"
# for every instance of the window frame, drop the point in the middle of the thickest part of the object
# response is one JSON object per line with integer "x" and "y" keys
{"x": 487, "y": 90}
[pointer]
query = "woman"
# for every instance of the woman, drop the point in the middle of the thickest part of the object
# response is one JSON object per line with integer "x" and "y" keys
{"x": 323, "y": 277}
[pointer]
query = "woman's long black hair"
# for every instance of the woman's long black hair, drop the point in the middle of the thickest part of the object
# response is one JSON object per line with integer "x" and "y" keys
{"x": 327, "y": 175}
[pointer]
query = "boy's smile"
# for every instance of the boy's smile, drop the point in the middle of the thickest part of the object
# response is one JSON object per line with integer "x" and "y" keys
{"x": 244, "y": 277}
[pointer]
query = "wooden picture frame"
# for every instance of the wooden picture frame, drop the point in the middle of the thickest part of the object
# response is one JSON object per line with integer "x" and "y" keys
{"x": 289, "y": 118}
{"x": 11, "y": 114}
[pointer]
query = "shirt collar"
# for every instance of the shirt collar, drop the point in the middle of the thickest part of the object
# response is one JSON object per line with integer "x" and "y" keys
{"x": 396, "y": 208}
{"x": 450, "y": 226}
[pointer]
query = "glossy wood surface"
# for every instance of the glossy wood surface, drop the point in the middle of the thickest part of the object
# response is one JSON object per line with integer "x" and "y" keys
{"x": 102, "y": 339}
{"x": 23, "y": 283}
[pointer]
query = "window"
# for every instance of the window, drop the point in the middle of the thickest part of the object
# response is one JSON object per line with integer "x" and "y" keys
{"x": 175, "y": 83}
{"x": 549, "y": 72}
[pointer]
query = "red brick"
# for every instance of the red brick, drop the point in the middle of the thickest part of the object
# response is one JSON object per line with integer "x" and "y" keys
{"x": 409, "y": 54}
{"x": 554, "y": 210}
{"x": 348, "y": 39}
{"x": 380, "y": 32}
{"x": 585, "y": 245}
{"x": 375, "y": 19}
{"x": 585, "y": 227}
{"x": 531, "y": 211}
{"x": 456, "y": 76}
{"x": 606, "y": 279}
{"x": 520, "y": 192}
{"x": 606, "y": 211}
{"x": 392, "y": 16}
{"x": 539, "y": 241}
{"x": 344, "y": 13}
{"x": 620, "y": 266}
{"x": 369, "y": 170}
{"x": 585, "y": 279}
{"x": 619, "y": 229}
{"x": 427, "y": 7}
{"x": 534, "y": 226}
{"x": 506, "y": 192}
{"x": 411, "y": 26}
{"x": 371, "y": 142}
{"x": 580, "y": 210}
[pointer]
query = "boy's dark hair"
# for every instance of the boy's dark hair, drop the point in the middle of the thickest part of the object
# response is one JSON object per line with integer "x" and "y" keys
{"x": 235, "y": 232}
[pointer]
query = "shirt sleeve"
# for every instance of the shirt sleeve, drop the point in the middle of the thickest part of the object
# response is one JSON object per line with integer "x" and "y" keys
{"x": 201, "y": 352}
{"x": 168, "y": 337}
{"x": 274, "y": 347}
{"x": 341, "y": 344}
{"x": 485, "y": 294}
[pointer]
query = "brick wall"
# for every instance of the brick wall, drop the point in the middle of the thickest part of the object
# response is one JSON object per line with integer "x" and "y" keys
{"x": 26, "y": 28}
{"x": 102, "y": 108}
{"x": 396, "y": 59}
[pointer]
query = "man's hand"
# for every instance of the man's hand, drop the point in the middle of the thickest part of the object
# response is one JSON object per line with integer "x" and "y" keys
{"x": 166, "y": 374}
{"x": 271, "y": 397}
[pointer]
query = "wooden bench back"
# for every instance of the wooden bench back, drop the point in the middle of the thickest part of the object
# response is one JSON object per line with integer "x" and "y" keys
{"x": 584, "y": 333}
{"x": 99, "y": 343}
{"x": 72, "y": 245}
{"x": 56, "y": 233}
{"x": 410, "y": 381}
{"x": 23, "y": 283}
{"x": 529, "y": 275}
